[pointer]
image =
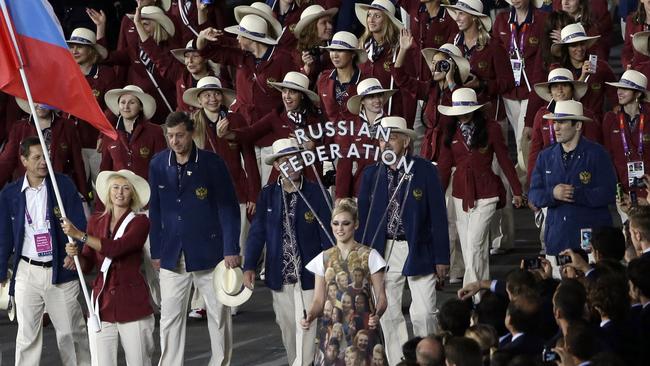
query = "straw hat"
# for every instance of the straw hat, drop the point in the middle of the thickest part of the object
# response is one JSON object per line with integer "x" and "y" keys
{"x": 6, "y": 302}
{"x": 573, "y": 33}
{"x": 463, "y": 101}
{"x": 260, "y": 9}
{"x": 560, "y": 75}
{"x": 473, "y": 7}
{"x": 634, "y": 80}
{"x": 640, "y": 42}
{"x": 24, "y": 105}
{"x": 365, "y": 88}
{"x": 191, "y": 96}
{"x": 166, "y": 4}
{"x": 309, "y": 15}
{"x": 253, "y": 27}
{"x": 568, "y": 110}
{"x": 139, "y": 184}
{"x": 398, "y": 125}
{"x": 229, "y": 285}
{"x": 86, "y": 37}
{"x": 346, "y": 41}
{"x": 383, "y": 5}
{"x": 157, "y": 14}
{"x": 282, "y": 147}
{"x": 113, "y": 96}
{"x": 453, "y": 52}
{"x": 535, "y": 3}
{"x": 296, "y": 81}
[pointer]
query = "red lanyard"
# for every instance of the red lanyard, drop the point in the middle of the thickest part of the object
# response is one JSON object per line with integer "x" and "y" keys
{"x": 513, "y": 40}
{"x": 626, "y": 148}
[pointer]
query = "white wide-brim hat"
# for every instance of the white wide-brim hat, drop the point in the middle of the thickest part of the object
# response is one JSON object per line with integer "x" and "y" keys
{"x": 112, "y": 98}
{"x": 253, "y": 27}
{"x": 535, "y": 3}
{"x": 365, "y": 88}
{"x": 640, "y": 42}
{"x": 311, "y": 14}
{"x": 166, "y": 4}
{"x": 86, "y": 37}
{"x": 573, "y": 33}
{"x": 568, "y": 110}
{"x": 229, "y": 286}
{"x": 191, "y": 96}
{"x": 385, "y": 6}
{"x": 398, "y": 125}
{"x": 262, "y": 10}
{"x": 24, "y": 105}
{"x": 557, "y": 76}
{"x": 179, "y": 54}
{"x": 472, "y": 7}
{"x": 634, "y": 80}
{"x": 296, "y": 81}
{"x": 157, "y": 14}
{"x": 283, "y": 147}
{"x": 139, "y": 184}
{"x": 346, "y": 41}
{"x": 463, "y": 101}
{"x": 455, "y": 54}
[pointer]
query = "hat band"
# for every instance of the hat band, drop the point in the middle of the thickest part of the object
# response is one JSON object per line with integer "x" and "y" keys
{"x": 631, "y": 84}
{"x": 342, "y": 43}
{"x": 565, "y": 115}
{"x": 80, "y": 39}
{"x": 254, "y": 34}
{"x": 466, "y": 6}
{"x": 560, "y": 79}
{"x": 287, "y": 149}
{"x": 206, "y": 86}
{"x": 573, "y": 35}
{"x": 374, "y": 87}
{"x": 379, "y": 7}
{"x": 293, "y": 83}
{"x": 464, "y": 104}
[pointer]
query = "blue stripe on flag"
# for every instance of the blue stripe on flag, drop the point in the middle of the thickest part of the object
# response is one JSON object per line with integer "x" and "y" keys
{"x": 36, "y": 19}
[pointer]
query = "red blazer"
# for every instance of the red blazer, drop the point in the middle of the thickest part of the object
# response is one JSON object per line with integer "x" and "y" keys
{"x": 183, "y": 33}
{"x": 474, "y": 178}
{"x": 434, "y": 122}
{"x": 65, "y": 152}
{"x": 9, "y": 115}
{"x": 288, "y": 40}
{"x": 629, "y": 56}
{"x": 146, "y": 140}
{"x": 403, "y": 104}
{"x": 323, "y": 62}
{"x": 255, "y": 98}
{"x": 427, "y": 33}
{"x": 614, "y": 144}
{"x": 597, "y": 90}
{"x": 246, "y": 178}
{"x": 501, "y": 33}
{"x": 325, "y": 87}
{"x": 348, "y": 184}
{"x": 541, "y": 135}
{"x": 126, "y": 296}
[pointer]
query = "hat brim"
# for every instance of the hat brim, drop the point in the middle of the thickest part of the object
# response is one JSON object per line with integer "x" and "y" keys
{"x": 24, "y": 105}
{"x": 161, "y": 19}
{"x": 361, "y": 10}
{"x": 310, "y": 94}
{"x": 590, "y": 41}
{"x": 191, "y": 96}
{"x": 148, "y": 102}
{"x": 640, "y": 43}
{"x": 139, "y": 184}
{"x": 362, "y": 56}
{"x": 243, "y": 10}
{"x": 410, "y": 133}
{"x": 566, "y": 118}
{"x": 269, "y": 160}
{"x": 234, "y": 29}
{"x": 535, "y": 3}
{"x": 453, "y": 13}
{"x": 543, "y": 89}
{"x": 625, "y": 86}
{"x": 458, "y": 110}
{"x": 165, "y": 4}
{"x": 224, "y": 298}
{"x": 461, "y": 62}
{"x": 308, "y": 19}
{"x": 102, "y": 52}
{"x": 354, "y": 103}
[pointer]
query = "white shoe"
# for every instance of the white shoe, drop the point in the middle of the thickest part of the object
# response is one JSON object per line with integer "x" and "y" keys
{"x": 455, "y": 280}
{"x": 497, "y": 251}
{"x": 234, "y": 310}
{"x": 198, "y": 314}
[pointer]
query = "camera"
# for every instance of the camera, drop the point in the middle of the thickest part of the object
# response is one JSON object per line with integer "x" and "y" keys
{"x": 532, "y": 263}
{"x": 563, "y": 259}
{"x": 549, "y": 356}
{"x": 443, "y": 66}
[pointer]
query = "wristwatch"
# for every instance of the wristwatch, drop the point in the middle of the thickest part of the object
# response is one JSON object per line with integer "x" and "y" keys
{"x": 84, "y": 238}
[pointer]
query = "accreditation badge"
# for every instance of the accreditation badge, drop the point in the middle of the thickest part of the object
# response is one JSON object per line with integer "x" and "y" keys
{"x": 517, "y": 69}
{"x": 43, "y": 241}
{"x": 635, "y": 169}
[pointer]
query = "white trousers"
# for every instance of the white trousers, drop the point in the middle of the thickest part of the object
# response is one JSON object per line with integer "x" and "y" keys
{"x": 92, "y": 159}
{"x": 423, "y": 309}
{"x": 265, "y": 170}
{"x": 456, "y": 265}
{"x": 150, "y": 274}
{"x": 175, "y": 294}
{"x": 516, "y": 112}
{"x": 288, "y": 308}
{"x": 34, "y": 294}
{"x": 136, "y": 338}
{"x": 473, "y": 227}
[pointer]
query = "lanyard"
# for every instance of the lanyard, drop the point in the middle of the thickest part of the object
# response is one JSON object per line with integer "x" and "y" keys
{"x": 621, "y": 123}
{"x": 513, "y": 40}
{"x": 551, "y": 132}
{"x": 29, "y": 217}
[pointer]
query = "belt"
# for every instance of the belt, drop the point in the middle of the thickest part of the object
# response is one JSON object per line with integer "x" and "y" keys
{"x": 401, "y": 237}
{"x": 36, "y": 263}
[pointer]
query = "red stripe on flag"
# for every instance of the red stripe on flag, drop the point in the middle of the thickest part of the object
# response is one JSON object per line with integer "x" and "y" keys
{"x": 8, "y": 60}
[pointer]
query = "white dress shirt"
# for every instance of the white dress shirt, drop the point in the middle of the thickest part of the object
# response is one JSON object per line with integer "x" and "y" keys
{"x": 36, "y": 205}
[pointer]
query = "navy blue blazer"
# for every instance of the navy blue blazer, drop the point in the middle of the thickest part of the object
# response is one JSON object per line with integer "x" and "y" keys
{"x": 201, "y": 218}
{"x": 12, "y": 225}
{"x": 267, "y": 227}
{"x": 526, "y": 344}
{"x": 424, "y": 217}
{"x": 592, "y": 174}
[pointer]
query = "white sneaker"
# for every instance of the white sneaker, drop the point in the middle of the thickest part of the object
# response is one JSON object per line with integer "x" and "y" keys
{"x": 234, "y": 310}
{"x": 197, "y": 314}
{"x": 497, "y": 251}
{"x": 455, "y": 280}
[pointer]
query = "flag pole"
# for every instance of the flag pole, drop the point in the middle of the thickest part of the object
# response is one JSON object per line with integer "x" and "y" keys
{"x": 92, "y": 318}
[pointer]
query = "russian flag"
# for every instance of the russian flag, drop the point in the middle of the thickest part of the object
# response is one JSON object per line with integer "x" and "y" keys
{"x": 54, "y": 77}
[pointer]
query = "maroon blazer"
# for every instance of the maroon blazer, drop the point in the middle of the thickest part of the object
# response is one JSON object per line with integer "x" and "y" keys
{"x": 288, "y": 40}
{"x": 333, "y": 110}
{"x": 9, "y": 114}
{"x": 348, "y": 184}
{"x": 597, "y": 90}
{"x": 630, "y": 56}
{"x": 246, "y": 179}
{"x": 474, "y": 178}
{"x": 65, "y": 152}
{"x": 135, "y": 154}
{"x": 126, "y": 296}
{"x": 183, "y": 33}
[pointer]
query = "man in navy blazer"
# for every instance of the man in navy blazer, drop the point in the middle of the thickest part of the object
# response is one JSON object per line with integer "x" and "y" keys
{"x": 414, "y": 238}
{"x": 43, "y": 275}
{"x": 195, "y": 219}
{"x": 293, "y": 237}
{"x": 521, "y": 320}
